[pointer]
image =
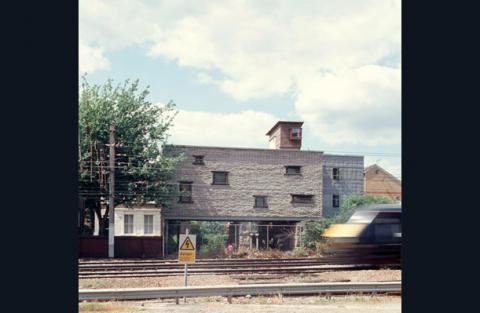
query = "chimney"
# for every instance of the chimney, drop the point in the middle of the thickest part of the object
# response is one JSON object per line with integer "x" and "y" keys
{"x": 286, "y": 135}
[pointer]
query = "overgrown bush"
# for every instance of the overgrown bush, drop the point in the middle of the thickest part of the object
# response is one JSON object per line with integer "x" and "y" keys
{"x": 212, "y": 237}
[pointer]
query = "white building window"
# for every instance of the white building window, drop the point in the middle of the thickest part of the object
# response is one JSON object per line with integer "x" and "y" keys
{"x": 128, "y": 224}
{"x": 148, "y": 224}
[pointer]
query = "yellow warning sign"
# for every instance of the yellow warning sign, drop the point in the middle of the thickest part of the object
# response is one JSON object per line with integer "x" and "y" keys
{"x": 186, "y": 248}
{"x": 187, "y": 245}
{"x": 186, "y": 257}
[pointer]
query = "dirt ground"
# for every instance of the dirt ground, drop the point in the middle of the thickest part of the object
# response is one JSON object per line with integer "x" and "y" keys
{"x": 206, "y": 280}
{"x": 340, "y": 304}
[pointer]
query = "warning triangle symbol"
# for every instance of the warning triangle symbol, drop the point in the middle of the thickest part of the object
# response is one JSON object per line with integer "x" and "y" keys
{"x": 187, "y": 244}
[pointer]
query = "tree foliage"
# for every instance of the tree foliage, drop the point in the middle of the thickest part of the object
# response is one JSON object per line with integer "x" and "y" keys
{"x": 142, "y": 172}
{"x": 314, "y": 229}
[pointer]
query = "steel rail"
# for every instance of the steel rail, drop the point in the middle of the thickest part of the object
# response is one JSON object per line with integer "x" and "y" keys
{"x": 235, "y": 290}
{"x": 240, "y": 269}
{"x": 291, "y": 270}
{"x": 271, "y": 262}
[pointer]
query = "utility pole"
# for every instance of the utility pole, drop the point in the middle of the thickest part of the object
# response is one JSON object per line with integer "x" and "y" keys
{"x": 111, "y": 198}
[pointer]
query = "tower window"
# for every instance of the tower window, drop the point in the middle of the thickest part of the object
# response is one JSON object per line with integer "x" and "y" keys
{"x": 295, "y": 133}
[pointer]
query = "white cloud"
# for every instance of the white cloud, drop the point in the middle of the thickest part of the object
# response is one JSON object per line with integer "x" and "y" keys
{"x": 244, "y": 129}
{"x": 360, "y": 106}
{"x": 327, "y": 53}
{"x": 91, "y": 58}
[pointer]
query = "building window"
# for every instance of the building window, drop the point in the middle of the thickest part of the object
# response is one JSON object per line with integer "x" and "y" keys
{"x": 302, "y": 198}
{"x": 336, "y": 201}
{"x": 220, "y": 178}
{"x": 128, "y": 224}
{"x": 260, "y": 202}
{"x": 198, "y": 160}
{"x": 148, "y": 224}
{"x": 295, "y": 133}
{"x": 292, "y": 170}
{"x": 185, "y": 189}
{"x": 336, "y": 173}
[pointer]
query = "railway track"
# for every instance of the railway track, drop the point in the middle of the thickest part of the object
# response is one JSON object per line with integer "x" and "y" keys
{"x": 159, "y": 268}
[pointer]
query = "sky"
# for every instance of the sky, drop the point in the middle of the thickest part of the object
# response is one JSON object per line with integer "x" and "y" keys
{"x": 235, "y": 67}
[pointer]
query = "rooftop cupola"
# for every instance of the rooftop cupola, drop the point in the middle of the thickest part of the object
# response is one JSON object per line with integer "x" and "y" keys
{"x": 286, "y": 135}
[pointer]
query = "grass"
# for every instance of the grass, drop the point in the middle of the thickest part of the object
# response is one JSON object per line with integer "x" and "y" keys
{"x": 316, "y": 300}
{"x": 112, "y": 306}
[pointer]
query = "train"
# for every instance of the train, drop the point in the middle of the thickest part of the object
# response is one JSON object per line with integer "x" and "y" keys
{"x": 373, "y": 233}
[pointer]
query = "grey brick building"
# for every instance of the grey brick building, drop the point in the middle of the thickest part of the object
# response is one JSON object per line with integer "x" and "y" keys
{"x": 342, "y": 177}
{"x": 248, "y": 187}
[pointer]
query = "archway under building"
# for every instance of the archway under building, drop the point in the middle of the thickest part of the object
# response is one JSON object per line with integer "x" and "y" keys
{"x": 213, "y": 236}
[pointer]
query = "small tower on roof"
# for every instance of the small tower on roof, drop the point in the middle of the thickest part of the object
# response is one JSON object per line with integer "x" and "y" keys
{"x": 286, "y": 135}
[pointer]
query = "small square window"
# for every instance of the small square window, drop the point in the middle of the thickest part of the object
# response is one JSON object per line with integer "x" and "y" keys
{"x": 302, "y": 198}
{"x": 295, "y": 133}
{"x": 128, "y": 224}
{"x": 198, "y": 160}
{"x": 336, "y": 201}
{"x": 336, "y": 173}
{"x": 220, "y": 178}
{"x": 148, "y": 224}
{"x": 292, "y": 170}
{"x": 260, "y": 202}
{"x": 185, "y": 189}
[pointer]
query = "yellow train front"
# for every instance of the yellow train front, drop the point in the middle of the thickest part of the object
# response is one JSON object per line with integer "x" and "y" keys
{"x": 372, "y": 235}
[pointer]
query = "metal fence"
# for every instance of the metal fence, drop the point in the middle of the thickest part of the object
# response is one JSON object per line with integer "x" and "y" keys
{"x": 213, "y": 238}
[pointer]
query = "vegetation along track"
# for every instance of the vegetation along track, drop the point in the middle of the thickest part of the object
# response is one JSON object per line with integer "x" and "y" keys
{"x": 154, "y": 268}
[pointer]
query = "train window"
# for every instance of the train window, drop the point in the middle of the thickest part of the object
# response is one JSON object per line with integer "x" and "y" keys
{"x": 383, "y": 230}
{"x": 387, "y": 218}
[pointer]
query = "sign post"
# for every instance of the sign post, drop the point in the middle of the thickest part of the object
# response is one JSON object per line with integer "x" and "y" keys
{"x": 186, "y": 251}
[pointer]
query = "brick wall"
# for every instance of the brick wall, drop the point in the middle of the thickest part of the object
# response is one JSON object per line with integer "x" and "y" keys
{"x": 381, "y": 183}
{"x": 251, "y": 172}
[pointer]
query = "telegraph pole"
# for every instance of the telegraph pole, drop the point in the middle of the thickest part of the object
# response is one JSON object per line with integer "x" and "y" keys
{"x": 111, "y": 198}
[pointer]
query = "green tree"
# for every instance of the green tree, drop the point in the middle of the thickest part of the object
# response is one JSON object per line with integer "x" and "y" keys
{"x": 142, "y": 172}
{"x": 314, "y": 229}
{"x": 212, "y": 236}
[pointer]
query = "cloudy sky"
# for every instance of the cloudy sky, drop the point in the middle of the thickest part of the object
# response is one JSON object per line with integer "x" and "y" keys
{"x": 236, "y": 67}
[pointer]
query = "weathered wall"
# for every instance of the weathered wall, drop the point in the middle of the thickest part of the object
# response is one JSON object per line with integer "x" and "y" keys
{"x": 251, "y": 172}
{"x": 350, "y": 182}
